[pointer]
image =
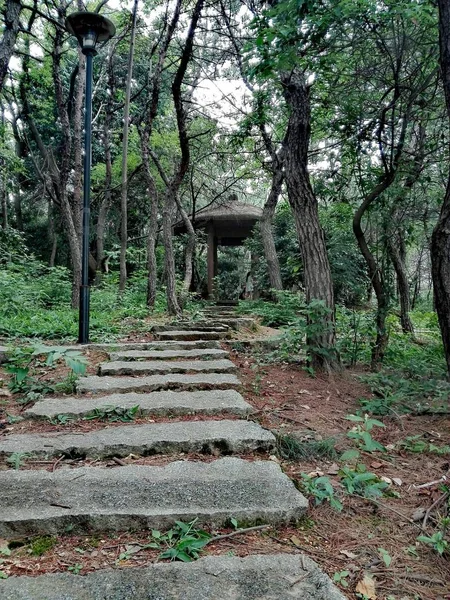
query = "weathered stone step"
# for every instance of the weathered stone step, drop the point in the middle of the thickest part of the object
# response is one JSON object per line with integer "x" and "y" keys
{"x": 154, "y": 345}
{"x": 153, "y": 367}
{"x": 153, "y": 383}
{"x": 191, "y": 326}
{"x": 168, "y": 354}
{"x": 212, "y": 402}
{"x": 92, "y": 499}
{"x": 257, "y": 577}
{"x": 191, "y": 335}
{"x": 209, "y": 437}
{"x": 237, "y": 323}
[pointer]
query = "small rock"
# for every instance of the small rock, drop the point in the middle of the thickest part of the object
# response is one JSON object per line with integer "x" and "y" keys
{"x": 333, "y": 470}
{"x": 418, "y": 514}
{"x": 397, "y": 481}
{"x": 386, "y": 480}
{"x": 316, "y": 473}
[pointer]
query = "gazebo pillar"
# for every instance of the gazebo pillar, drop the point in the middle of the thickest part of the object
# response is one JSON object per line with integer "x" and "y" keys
{"x": 211, "y": 258}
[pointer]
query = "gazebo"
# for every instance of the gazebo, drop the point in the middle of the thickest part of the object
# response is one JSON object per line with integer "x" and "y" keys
{"x": 229, "y": 223}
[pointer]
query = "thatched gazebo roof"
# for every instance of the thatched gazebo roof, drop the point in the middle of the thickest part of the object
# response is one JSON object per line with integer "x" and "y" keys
{"x": 231, "y": 220}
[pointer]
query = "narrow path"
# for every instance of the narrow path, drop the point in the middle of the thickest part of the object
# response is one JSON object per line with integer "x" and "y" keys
{"x": 185, "y": 372}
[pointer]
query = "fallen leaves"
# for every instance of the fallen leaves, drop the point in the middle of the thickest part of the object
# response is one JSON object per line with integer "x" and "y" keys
{"x": 366, "y": 587}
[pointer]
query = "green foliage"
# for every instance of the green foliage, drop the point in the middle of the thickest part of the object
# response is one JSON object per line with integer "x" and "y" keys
{"x": 41, "y": 545}
{"x": 35, "y": 303}
{"x": 291, "y": 448}
{"x": 416, "y": 443}
{"x": 75, "y": 569}
{"x": 17, "y": 459}
{"x": 182, "y": 542}
{"x": 360, "y": 433}
{"x": 440, "y": 541}
{"x": 23, "y": 363}
{"x": 385, "y": 557}
{"x": 361, "y": 482}
{"x": 340, "y": 577}
{"x": 321, "y": 489}
{"x": 284, "y": 311}
{"x": 114, "y": 414}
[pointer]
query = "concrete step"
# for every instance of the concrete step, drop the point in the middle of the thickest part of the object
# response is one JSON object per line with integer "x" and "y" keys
{"x": 168, "y": 354}
{"x": 235, "y": 323}
{"x": 155, "y": 345}
{"x": 211, "y": 402}
{"x": 257, "y": 577}
{"x": 191, "y": 326}
{"x": 191, "y": 335}
{"x": 93, "y": 500}
{"x": 209, "y": 437}
{"x": 154, "y": 383}
{"x": 153, "y": 367}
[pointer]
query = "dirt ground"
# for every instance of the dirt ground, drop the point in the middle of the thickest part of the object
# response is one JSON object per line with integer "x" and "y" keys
{"x": 346, "y": 544}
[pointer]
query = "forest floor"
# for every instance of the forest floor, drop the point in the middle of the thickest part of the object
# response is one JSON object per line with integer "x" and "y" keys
{"x": 369, "y": 548}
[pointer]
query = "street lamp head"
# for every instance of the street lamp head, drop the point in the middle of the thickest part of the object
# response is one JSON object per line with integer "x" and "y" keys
{"x": 89, "y": 28}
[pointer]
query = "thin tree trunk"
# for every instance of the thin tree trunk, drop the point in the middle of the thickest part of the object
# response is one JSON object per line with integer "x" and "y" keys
{"x": 4, "y": 199}
{"x": 188, "y": 253}
{"x": 169, "y": 261}
{"x": 107, "y": 142}
{"x": 402, "y": 284}
{"x": 3, "y": 186}
{"x": 265, "y": 224}
{"x": 317, "y": 273}
{"x": 124, "y": 186}
{"x": 52, "y": 235}
{"x": 11, "y": 14}
{"x": 153, "y": 218}
{"x": 106, "y": 202}
{"x": 78, "y": 145}
{"x": 440, "y": 240}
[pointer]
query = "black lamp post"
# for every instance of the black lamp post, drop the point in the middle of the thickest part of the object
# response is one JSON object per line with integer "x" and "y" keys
{"x": 89, "y": 28}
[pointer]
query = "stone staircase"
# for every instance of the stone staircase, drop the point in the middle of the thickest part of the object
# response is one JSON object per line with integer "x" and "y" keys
{"x": 184, "y": 372}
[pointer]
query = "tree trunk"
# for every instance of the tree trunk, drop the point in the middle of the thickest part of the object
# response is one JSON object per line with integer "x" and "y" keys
{"x": 375, "y": 274}
{"x": 78, "y": 145}
{"x": 3, "y": 185}
{"x": 153, "y": 220}
{"x": 402, "y": 284}
{"x": 11, "y": 13}
{"x": 188, "y": 253}
{"x": 4, "y": 199}
{"x": 440, "y": 240}
{"x": 317, "y": 273}
{"x": 52, "y": 235}
{"x": 169, "y": 262}
{"x": 106, "y": 202}
{"x": 265, "y": 224}
{"x": 124, "y": 186}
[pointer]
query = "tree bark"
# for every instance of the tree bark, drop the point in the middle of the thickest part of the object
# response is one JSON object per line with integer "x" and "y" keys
{"x": 398, "y": 263}
{"x": 124, "y": 186}
{"x": 11, "y": 14}
{"x": 169, "y": 261}
{"x": 107, "y": 144}
{"x": 52, "y": 235}
{"x": 265, "y": 224}
{"x": 317, "y": 273}
{"x": 440, "y": 240}
{"x": 78, "y": 145}
{"x": 3, "y": 185}
{"x": 153, "y": 217}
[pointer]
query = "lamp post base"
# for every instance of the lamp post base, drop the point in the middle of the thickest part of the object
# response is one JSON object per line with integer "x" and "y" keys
{"x": 83, "y": 325}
